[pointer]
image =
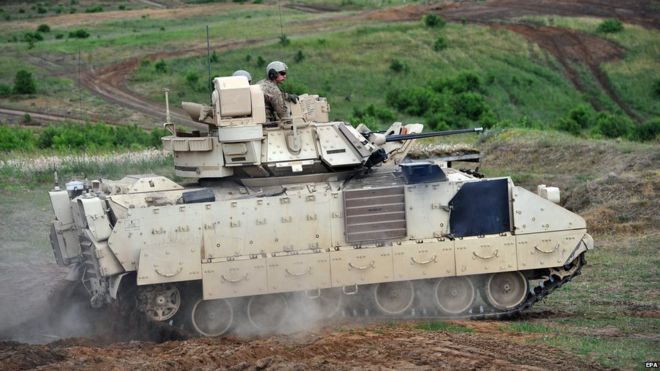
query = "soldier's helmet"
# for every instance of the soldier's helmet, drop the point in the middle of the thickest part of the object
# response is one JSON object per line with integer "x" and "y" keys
{"x": 274, "y": 68}
{"x": 243, "y": 73}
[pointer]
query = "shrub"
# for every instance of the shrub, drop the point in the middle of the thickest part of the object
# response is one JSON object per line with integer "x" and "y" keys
{"x": 440, "y": 44}
{"x": 5, "y": 90}
{"x": 610, "y": 26}
{"x": 145, "y": 63}
{"x": 248, "y": 58}
{"x": 372, "y": 115}
{"x": 192, "y": 78}
{"x": 59, "y": 36}
{"x": 294, "y": 88}
{"x": 299, "y": 57}
{"x": 432, "y": 20}
{"x": 33, "y": 36}
{"x": 68, "y": 137}
{"x": 43, "y": 28}
{"x": 462, "y": 82}
{"x": 27, "y": 118}
{"x": 612, "y": 125}
{"x": 649, "y": 130}
{"x": 398, "y": 66}
{"x": 41, "y": 10}
{"x": 94, "y": 9}
{"x": 656, "y": 88}
{"x": 214, "y": 57}
{"x": 284, "y": 40}
{"x": 79, "y": 34}
{"x": 122, "y": 7}
{"x": 24, "y": 83}
{"x": 160, "y": 66}
{"x": 16, "y": 138}
{"x": 260, "y": 61}
{"x": 469, "y": 105}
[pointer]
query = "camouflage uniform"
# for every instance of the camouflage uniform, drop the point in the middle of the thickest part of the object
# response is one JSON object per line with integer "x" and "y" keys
{"x": 276, "y": 109}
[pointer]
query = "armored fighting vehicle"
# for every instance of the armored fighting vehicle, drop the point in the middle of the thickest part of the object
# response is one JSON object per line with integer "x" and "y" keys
{"x": 311, "y": 211}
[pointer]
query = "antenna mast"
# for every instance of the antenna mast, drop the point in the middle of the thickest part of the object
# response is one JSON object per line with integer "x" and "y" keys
{"x": 208, "y": 60}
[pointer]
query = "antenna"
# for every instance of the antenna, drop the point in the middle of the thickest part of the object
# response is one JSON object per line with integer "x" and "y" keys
{"x": 208, "y": 60}
{"x": 79, "y": 87}
{"x": 279, "y": 9}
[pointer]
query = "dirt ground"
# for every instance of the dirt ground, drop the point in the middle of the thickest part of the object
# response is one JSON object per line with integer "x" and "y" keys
{"x": 374, "y": 347}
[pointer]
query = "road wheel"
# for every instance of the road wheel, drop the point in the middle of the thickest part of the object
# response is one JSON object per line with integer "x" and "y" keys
{"x": 506, "y": 290}
{"x": 394, "y": 297}
{"x": 266, "y": 312}
{"x": 454, "y": 295}
{"x": 212, "y": 317}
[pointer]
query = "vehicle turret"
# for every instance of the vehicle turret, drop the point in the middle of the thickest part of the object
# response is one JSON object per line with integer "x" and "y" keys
{"x": 240, "y": 141}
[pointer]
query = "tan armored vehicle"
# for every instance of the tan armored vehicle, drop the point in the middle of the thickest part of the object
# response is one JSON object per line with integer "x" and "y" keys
{"x": 316, "y": 212}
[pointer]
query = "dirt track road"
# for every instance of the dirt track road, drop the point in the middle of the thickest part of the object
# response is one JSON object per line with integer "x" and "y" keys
{"x": 373, "y": 347}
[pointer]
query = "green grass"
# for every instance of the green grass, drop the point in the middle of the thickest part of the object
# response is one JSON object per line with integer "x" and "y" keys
{"x": 606, "y": 306}
{"x": 442, "y": 326}
{"x": 633, "y": 75}
{"x": 351, "y": 68}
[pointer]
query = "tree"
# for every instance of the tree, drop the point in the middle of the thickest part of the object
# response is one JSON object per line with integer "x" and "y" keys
{"x": 24, "y": 83}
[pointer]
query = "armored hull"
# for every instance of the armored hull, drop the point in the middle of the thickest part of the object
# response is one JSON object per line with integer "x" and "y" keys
{"x": 456, "y": 245}
{"x": 312, "y": 220}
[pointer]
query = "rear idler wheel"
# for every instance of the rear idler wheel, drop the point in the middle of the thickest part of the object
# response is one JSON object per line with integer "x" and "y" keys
{"x": 394, "y": 298}
{"x": 454, "y": 295}
{"x": 267, "y": 312}
{"x": 212, "y": 317}
{"x": 506, "y": 290}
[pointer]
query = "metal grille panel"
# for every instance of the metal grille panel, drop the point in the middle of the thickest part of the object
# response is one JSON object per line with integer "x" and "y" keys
{"x": 374, "y": 214}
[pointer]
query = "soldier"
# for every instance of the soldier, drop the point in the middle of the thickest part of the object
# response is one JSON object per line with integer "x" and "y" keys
{"x": 276, "y": 109}
{"x": 243, "y": 73}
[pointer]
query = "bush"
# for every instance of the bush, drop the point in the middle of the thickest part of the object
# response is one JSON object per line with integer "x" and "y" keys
{"x": 284, "y": 40}
{"x": 398, "y": 66}
{"x": 612, "y": 125}
{"x": 656, "y": 88}
{"x": 192, "y": 78}
{"x": 299, "y": 57}
{"x": 79, "y": 34}
{"x": 579, "y": 118}
{"x": 214, "y": 57}
{"x": 59, "y": 36}
{"x": 469, "y": 105}
{"x": 462, "y": 82}
{"x": 122, "y": 7}
{"x": 610, "y": 26}
{"x": 94, "y": 9}
{"x": 260, "y": 61}
{"x": 649, "y": 130}
{"x": 16, "y": 138}
{"x": 432, "y": 20}
{"x": 440, "y": 44}
{"x": 76, "y": 137}
{"x": 24, "y": 83}
{"x": 5, "y": 90}
{"x": 33, "y": 37}
{"x": 27, "y": 118}
{"x": 372, "y": 115}
{"x": 160, "y": 66}
{"x": 43, "y": 28}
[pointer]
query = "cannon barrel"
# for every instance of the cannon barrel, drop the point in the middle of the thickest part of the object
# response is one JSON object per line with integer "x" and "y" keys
{"x": 400, "y": 137}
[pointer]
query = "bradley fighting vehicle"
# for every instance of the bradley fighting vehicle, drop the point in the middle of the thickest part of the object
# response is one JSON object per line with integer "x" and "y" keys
{"x": 316, "y": 211}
